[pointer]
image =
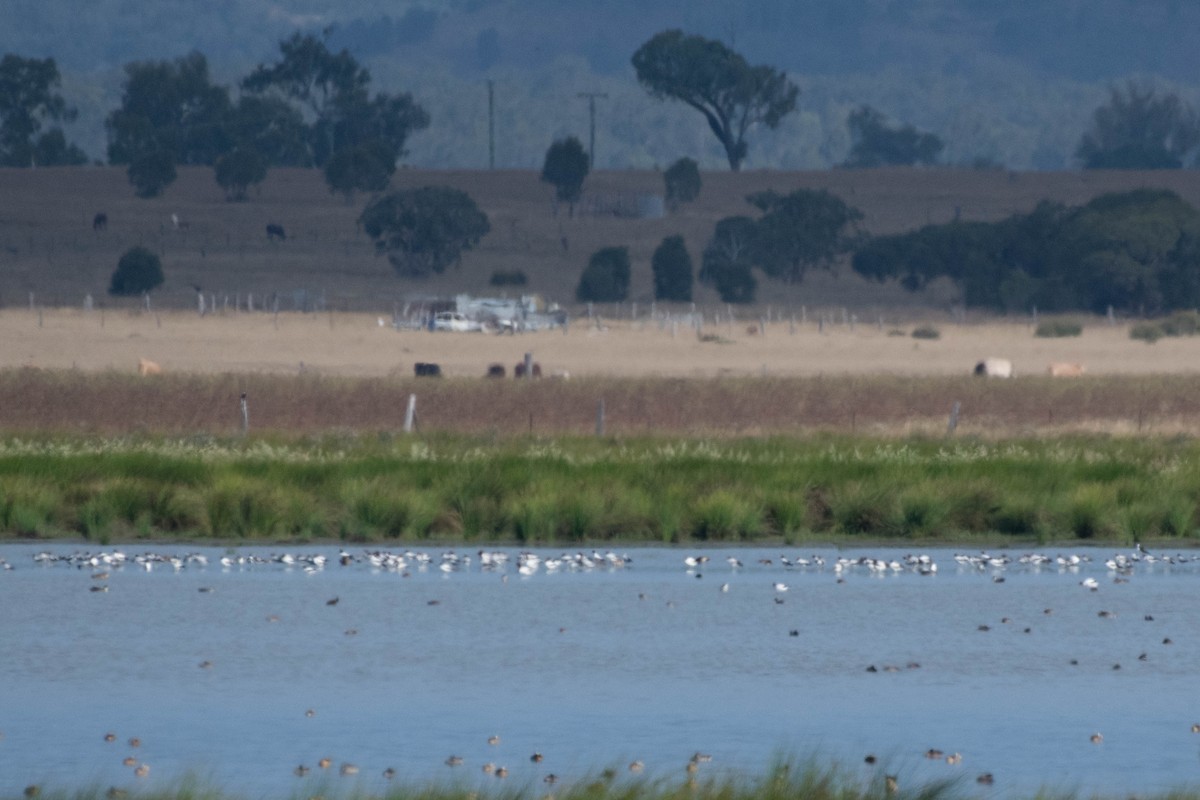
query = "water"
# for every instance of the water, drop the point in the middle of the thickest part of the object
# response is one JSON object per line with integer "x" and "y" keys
{"x": 594, "y": 668}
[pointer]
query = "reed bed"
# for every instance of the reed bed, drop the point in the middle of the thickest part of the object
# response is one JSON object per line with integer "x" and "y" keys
{"x": 576, "y": 490}
{"x": 108, "y": 403}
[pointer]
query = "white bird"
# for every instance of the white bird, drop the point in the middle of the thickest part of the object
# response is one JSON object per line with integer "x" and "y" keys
{"x": 781, "y": 587}
{"x": 1090, "y": 583}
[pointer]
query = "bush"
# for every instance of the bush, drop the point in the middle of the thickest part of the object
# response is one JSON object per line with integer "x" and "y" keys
{"x": 672, "y": 267}
{"x": 138, "y": 271}
{"x": 682, "y": 180}
{"x": 1054, "y": 329}
{"x": 1146, "y": 332}
{"x": 513, "y": 277}
{"x": 152, "y": 172}
{"x": 1182, "y": 323}
{"x": 926, "y": 332}
{"x": 238, "y": 170}
{"x": 606, "y": 279}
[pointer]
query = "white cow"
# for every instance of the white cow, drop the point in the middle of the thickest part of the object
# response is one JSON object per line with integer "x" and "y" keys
{"x": 994, "y": 368}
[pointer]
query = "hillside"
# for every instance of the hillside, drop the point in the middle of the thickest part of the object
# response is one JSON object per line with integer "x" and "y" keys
{"x": 48, "y": 247}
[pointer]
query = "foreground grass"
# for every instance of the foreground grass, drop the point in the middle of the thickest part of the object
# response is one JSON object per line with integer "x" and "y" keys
{"x": 565, "y": 490}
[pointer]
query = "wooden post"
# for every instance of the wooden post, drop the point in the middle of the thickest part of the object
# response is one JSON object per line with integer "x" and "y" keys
{"x": 245, "y": 415}
{"x": 410, "y": 414}
{"x": 600, "y": 417}
{"x": 953, "y": 423}
{"x": 528, "y": 366}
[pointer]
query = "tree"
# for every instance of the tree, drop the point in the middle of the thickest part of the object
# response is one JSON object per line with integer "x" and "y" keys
{"x": 238, "y": 170}
{"x": 681, "y": 182}
{"x": 366, "y": 167}
{"x": 800, "y": 230}
{"x": 874, "y": 144}
{"x": 606, "y": 278}
{"x": 273, "y": 128}
{"x": 727, "y": 261}
{"x": 138, "y": 271}
{"x": 28, "y": 100}
{"x": 150, "y": 172}
{"x": 672, "y": 267}
{"x": 1139, "y": 130}
{"x": 332, "y": 91}
{"x": 706, "y": 75}
{"x": 424, "y": 230}
{"x": 566, "y": 166}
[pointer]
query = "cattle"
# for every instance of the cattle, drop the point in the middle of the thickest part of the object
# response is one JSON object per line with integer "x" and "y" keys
{"x": 519, "y": 370}
{"x": 275, "y": 232}
{"x": 100, "y": 221}
{"x": 994, "y": 368}
{"x": 425, "y": 370}
{"x": 148, "y": 367}
{"x": 1062, "y": 369}
{"x": 495, "y": 371}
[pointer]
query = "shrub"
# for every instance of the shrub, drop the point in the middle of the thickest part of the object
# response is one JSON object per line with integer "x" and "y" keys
{"x": 606, "y": 279}
{"x": 682, "y": 180}
{"x": 672, "y": 267}
{"x": 513, "y": 277}
{"x": 238, "y": 170}
{"x": 1054, "y": 329}
{"x": 1146, "y": 332}
{"x": 138, "y": 271}
{"x": 1182, "y": 323}
{"x": 151, "y": 172}
{"x": 926, "y": 332}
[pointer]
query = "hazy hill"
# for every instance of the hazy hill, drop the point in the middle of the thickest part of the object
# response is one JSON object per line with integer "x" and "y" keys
{"x": 1012, "y": 82}
{"x": 48, "y": 247}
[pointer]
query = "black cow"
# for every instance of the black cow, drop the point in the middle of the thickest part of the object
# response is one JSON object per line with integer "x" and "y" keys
{"x": 275, "y": 231}
{"x": 100, "y": 221}
{"x": 495, "y": 371}
{"x": 424, "y": 370}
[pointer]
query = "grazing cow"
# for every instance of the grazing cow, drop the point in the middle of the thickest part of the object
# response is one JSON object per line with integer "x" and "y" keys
{"x": 424, "y": 370}
{"x": 994, "y": 368}
{"x": 148, "y": 367}
{"x": 519, "y": 370}
{"x": 495, "y": 371}
{"x": 1062, "y": 369}
{"x": 100, "y": 221}
{"x": 275, "y": 232}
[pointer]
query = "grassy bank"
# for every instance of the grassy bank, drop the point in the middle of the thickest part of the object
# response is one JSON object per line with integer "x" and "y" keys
{"x": 378, "y": 488}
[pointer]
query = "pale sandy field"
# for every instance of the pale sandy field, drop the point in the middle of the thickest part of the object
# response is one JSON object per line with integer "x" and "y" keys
{"x": 347, "y": 344}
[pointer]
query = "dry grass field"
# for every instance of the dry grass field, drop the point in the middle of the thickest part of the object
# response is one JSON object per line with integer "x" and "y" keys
{"x": 48, "y": 247}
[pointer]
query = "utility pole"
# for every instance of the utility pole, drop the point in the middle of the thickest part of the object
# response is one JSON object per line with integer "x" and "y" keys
{"x": 491, "y": 125}
{"x": 591, "y": 98}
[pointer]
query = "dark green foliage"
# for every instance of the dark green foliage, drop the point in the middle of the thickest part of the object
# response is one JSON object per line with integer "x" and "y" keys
{"x": 1135, "y": 251}
{"x": 565, "y": 167}
{"x": 1147, "y": 332}
{"x": 151, "y": 172}
{"x": 238, "y": 170}
{"x": 513, "y": 277}
{"x": 365, "y": 167}
{"x": 874, "y": 144}
{"x": 606, "y": 278}
{"x": 424, "y": 230}
{"x": 926, "y": 332}
{"x": 28, "y": 100}
{"x": 727, "y": 260}
{"x": 1139, "y": 130}
{"x": 800, "y": 230}
{"x": 681, "y": 182}
{"x": 719, "y": 83}
{"x": 333, "y": 90}
{"x": 1057, "y": 328}
{"x": 672, "y": 267}
{"x": 138, "y": 271}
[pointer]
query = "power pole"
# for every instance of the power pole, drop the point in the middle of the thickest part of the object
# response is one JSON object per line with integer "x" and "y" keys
{"x": 591, "y": 98}
{"x": 491, "y": 125}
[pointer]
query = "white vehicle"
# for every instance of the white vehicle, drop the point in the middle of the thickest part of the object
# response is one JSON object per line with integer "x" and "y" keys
{"x": 453, "y": 321}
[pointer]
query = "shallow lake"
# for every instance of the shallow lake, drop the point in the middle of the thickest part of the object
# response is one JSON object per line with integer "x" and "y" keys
{"x": 240, "y": 673}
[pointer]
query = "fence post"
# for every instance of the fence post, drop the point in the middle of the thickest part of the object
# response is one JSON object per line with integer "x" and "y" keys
{"x": 410, "y": 414}
{"x": 953, "y": 423}
{"x": 528, "y": 366}
{"x": 245, "y": 415}
{"x": 600, "y": 417}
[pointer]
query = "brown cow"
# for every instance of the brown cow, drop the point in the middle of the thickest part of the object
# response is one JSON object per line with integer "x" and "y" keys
{"x": 1062, "y": 369}
{"x": 148, "y": 367}
{"x": 519, "y": 370}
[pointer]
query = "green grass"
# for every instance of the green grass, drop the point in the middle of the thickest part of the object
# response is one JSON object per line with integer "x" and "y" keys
{"x": 548, "y": 491}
